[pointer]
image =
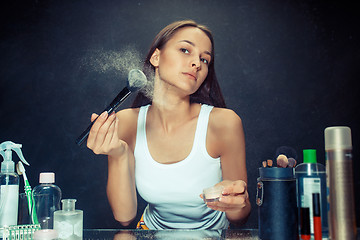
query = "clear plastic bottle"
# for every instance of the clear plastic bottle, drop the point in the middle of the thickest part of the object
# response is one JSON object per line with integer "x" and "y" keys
{"x": 9, "y": 195}
{"x": 68, "y": 221}
{"x": 311, "y": 178}
{"x": 46, "y": 199}
{"x": 9, "y": 181}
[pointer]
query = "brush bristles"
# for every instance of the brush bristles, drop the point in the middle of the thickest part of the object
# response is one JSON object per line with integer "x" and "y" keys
{"x": 136, "y": 80}
{"x": 264, "y": 164}
{"x": 282, "y": 161}
{"x": 292, "y": 162}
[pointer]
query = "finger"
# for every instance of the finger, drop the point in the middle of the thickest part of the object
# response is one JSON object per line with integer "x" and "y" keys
{"x": 236, "y": 188}
{"x": 229, "y": 202}
{"x": 110, "y": 133}
{"x": 104, "y": 131}
{"x": 217, "y": 206}
{"x": 94, "y": 116}
{"x": 95, "y": 128}
{"x": 235, "y": 201}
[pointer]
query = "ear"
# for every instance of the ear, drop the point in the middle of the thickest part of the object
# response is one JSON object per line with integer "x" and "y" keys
{"x": 155, "y": 57}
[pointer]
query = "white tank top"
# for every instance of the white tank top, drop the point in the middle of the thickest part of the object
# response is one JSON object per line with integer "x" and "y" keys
{"x": 172, "y": 190}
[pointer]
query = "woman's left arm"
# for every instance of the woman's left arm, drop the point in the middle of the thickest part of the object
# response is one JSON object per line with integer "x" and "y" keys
{"x": 226, "y": 139}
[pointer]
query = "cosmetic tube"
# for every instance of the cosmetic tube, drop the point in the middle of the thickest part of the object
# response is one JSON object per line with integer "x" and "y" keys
{"x": 339, "y": 169}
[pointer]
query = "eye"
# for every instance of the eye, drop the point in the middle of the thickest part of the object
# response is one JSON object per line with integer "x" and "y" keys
{"x": 204, "y": 60}
{"x": 184, "y": 50}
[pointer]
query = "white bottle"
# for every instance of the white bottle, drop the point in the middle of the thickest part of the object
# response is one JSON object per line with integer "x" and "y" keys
{"x": 9, "y": 180}
{"x": 68, "y": 221}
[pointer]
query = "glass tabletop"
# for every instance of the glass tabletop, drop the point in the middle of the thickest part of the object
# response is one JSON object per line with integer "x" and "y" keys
{"x": 248, "y": 234}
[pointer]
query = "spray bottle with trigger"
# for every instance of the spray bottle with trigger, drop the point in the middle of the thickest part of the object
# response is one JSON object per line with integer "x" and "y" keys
{"x": 9, "y": 180}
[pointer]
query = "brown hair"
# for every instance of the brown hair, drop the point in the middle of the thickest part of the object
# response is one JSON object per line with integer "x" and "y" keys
{"x": 209, "y": 92}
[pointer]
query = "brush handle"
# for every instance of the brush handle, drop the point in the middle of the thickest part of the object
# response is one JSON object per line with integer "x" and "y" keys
{"x": 32, "y": 210}
{"x": 120, "y": 98}
{"x": 27, "y": 189}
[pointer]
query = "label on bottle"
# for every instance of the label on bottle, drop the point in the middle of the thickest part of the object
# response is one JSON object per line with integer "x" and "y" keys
{"x": 9, "y": 200}
{"x": 311, "y": 185}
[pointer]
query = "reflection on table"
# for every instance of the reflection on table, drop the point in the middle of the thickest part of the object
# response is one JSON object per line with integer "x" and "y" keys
{"x": 248, "y": 234}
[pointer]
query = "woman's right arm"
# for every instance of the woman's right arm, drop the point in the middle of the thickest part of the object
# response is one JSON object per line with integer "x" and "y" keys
{"x": 107, "y": 137}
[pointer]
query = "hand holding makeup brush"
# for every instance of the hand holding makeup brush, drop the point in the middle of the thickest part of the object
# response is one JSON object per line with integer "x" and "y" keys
{"x": 103, "y": 137}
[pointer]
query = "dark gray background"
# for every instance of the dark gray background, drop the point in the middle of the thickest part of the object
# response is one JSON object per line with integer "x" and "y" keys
{"x": 288, "y": 68}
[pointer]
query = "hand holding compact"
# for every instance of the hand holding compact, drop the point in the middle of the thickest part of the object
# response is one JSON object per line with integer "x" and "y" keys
{"x": 233, "y": 197}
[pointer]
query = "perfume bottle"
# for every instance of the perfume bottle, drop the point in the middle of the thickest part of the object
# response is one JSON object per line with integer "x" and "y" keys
{"x": 69, "y": 221}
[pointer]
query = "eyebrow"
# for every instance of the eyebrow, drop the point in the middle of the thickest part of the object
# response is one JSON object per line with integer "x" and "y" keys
{"x": 193, "y": 44}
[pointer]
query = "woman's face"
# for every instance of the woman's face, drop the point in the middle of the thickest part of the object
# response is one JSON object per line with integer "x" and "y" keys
{"x": 183, "y": 62}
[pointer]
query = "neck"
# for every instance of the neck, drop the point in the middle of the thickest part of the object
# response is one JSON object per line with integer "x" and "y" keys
{"x": 169, "y": 100}
{"x": 172, "y": 114}
{"x": 171, "y": 107}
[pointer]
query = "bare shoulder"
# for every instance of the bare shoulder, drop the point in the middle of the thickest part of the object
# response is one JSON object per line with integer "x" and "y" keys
{"x": 225, "y": 130}
{"x": 128, "y": 125}
{"x": 129, "y": 114}
{"x": 223, "y": 119}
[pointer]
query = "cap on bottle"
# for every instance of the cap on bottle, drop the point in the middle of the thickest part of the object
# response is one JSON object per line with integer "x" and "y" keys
{"x": 47, "y": 177}
{"x": 6, "y": 148}
{"x": 338, "y": 138}
{"x": 309, "y": 155}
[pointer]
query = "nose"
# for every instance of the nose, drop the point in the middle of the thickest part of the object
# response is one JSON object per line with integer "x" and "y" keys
{"x": 196, "y": 63}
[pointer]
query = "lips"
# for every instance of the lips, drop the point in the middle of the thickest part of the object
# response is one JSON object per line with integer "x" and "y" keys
{"x": 191, "y": 75}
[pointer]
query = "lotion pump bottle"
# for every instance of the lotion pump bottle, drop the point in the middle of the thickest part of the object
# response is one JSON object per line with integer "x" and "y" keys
{"x": 9, "y": 180}
{"x": 69, "y": 221}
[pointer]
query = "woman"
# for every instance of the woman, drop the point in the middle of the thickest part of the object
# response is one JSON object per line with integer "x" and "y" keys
{"x": 176, "y": 144}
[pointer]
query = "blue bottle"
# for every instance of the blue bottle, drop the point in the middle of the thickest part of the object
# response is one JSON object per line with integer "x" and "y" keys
{"x": 311, "y": 178}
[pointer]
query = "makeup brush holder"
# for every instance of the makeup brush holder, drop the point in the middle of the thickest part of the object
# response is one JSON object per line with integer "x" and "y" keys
{"x": 277, "y": 207}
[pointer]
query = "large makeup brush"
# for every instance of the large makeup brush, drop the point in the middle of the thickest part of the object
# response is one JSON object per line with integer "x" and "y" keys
{"x": 136, "y": 80}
